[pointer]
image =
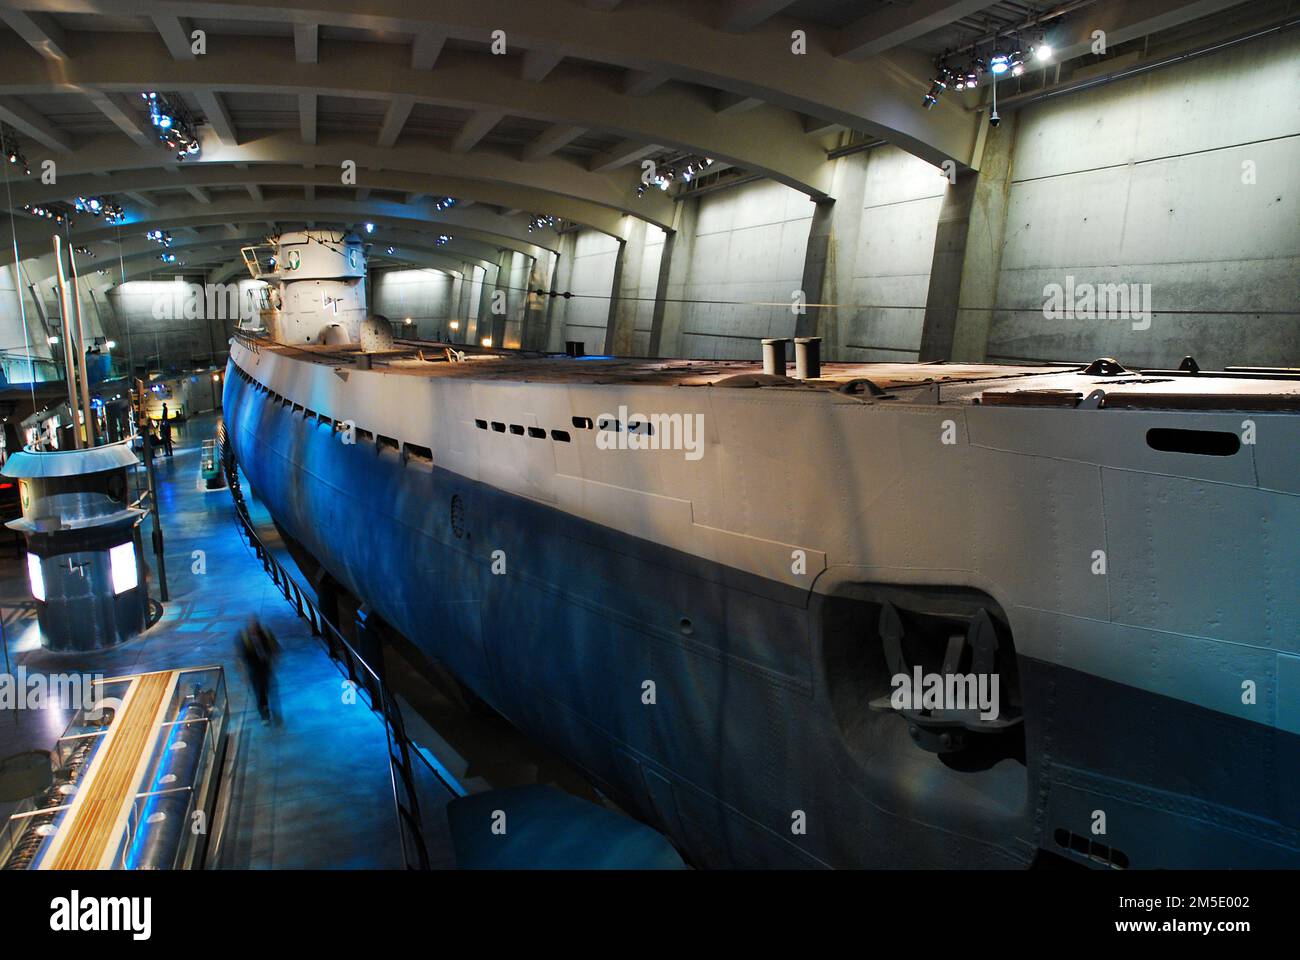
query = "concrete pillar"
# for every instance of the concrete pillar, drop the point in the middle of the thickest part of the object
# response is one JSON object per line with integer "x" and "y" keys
{"x": 458, "y": 286}
{"x": 680, "y": 258}
{"x": 940, "y": 324}
{"x": 499, "y": 306}
{"x": 627, "y": 291}
{"x": 815, "y": 263}
{"x": 615, "y": 295}
{"x": 982, "y": 254}
{"x": 558, "y": 312}
{"x": 661, "y": 293}
{"x": 537, "y": 308}
{"x": 833, "y": 241}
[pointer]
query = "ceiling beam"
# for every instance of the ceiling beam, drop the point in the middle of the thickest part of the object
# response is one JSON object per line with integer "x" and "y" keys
{"x": 117, "y": 108}
{"x": 479, "y": 224}
{"x": 218, "y": 119}
{"x": 893, "y": 25}
{"x": 638, "y": 83}
{"x": 1128, "y": 21}
{"x": 551, "y": 139}
{"x": 306, "y": 42}
{"x": 40, "y": 30}
{"x": 765, "y": 142}
{"x": 399, "y": 108}
{"x": 475, "y": 129}
{"x": 620, "y": 155}
{"x": 175, "y": 33}
{"x": 426, "y": 46}
{"x": 199, "y": 194}
{"x": 141, "y": 198}
{"x": 741, "y": 15}
{"x": 876, "y": 95}
{"x": 556, "y": 183}
{"x": 538, "y": 63}
{"x": 254, "y": 191}
{"x": 307, "y": 118}
{"x": 730, "y": 104}
{"x": 27, "y": 121}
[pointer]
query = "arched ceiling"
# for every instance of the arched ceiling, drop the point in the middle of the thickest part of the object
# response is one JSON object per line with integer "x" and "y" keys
{"x": 414, "y": 94}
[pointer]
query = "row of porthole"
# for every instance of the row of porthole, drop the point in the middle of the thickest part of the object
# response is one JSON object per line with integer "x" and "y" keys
{"x": 407, "y": 451}
{"x": 537, "y": 433}
{"x": 581, "y": 423}
{"x": 519, "y": 430}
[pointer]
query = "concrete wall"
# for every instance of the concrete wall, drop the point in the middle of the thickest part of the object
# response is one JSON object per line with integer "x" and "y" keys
{"x": 588, "y": 273}
{"x": 1143, "y": 181}
{"x": 21, "y": 333}
{"x": 423, "y": 295}
{"x": 882, "y": 266}
{"x": 175, "y": 337}
{"x": 736, "y": 271}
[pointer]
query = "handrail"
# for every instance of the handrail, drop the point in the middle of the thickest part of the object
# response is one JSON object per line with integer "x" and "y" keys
{"x": 359, "y": 672}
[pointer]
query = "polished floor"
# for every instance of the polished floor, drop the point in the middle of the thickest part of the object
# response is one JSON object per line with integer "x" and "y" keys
{"x": 311, "y": 790}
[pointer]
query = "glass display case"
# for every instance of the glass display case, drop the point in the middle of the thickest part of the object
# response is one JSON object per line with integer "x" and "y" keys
{"x": 169, "y": 817}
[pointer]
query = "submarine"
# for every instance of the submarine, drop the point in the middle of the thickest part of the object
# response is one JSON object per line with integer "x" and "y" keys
{"x": 722, "y": 588}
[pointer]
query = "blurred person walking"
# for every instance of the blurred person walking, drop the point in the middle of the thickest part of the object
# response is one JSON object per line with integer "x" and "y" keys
{"x": 258, "y": 648}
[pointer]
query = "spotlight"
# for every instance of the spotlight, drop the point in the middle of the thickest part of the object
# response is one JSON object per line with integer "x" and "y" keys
{"x": 1043, "y": 52}
{"x": 54, "y": 341}
{"x": 486, "y": 341}
{"x": 999, "y": 63}
{"x": 370, "y": 228}
{"x": 110, "y": 344}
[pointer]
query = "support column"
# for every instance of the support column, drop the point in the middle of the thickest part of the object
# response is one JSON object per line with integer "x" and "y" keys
{"x": 661, "y": 293}
{"x": 499, "y": 318}
{"x": 988, "y": 228}
{"x": 558, "y": 312}
{"x": 815, "y": 264}
{"x": 533, "y": 336}
{"x": 627, "y": 290}
{"x": 670, "y": 310}
{"x": 611, "y": 323}
{"x": 458, "y": 286}
{"x": 940, "y": 324}
{"x": 963, "y": 301}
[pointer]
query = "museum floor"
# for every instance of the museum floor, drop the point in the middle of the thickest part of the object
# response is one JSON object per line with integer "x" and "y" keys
{"x": 309, "y": 791}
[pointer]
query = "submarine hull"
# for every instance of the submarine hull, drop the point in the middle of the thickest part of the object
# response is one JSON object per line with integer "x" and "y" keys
{"x": 736, "y": 706}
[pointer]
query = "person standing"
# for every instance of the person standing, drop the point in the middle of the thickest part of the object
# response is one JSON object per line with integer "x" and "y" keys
{"x": 166, "y": 432}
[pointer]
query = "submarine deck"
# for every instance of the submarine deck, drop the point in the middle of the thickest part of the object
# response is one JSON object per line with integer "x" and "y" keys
{"x": 1002, "y": 384}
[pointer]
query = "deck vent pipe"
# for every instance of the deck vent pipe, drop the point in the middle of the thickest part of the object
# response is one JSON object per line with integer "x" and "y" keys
{"x": 807, "y": 358}
{"x": 774, "y": 356}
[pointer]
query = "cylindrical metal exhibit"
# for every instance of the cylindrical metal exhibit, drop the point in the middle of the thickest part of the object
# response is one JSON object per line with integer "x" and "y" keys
{"x": 84, "y": 562}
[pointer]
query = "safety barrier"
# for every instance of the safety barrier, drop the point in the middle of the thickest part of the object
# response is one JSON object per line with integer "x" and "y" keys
{"x": 401, "y": 751}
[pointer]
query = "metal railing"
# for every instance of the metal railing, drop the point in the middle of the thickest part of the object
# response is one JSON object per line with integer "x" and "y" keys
{"x": 401, "y": 750}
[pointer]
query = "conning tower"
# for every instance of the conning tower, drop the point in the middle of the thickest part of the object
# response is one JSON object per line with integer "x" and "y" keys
{"x": 317, "y": 291}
